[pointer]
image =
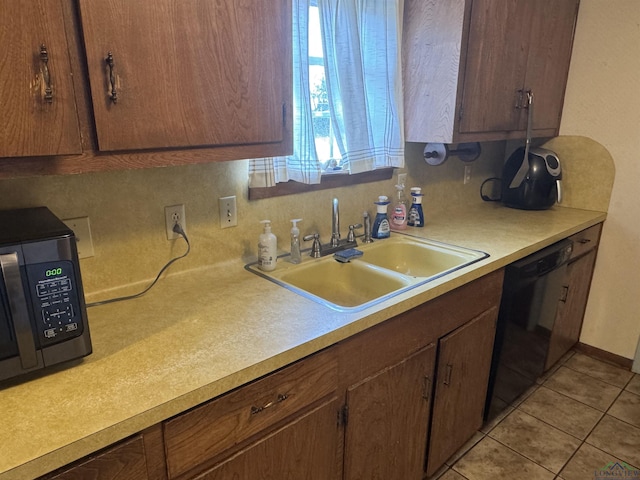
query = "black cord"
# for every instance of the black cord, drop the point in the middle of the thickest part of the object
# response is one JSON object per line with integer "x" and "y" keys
{"x": 487, "y": 198}
{"x": 176, "y": 228}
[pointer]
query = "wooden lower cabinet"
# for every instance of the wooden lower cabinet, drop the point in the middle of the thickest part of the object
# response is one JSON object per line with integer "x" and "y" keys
{"x": 360, "y": 409}
{"x": 389, "y": 373}
{"x": 573, "y": 300}
{"x": 568, "y": 324}
{"x": 304, "y": 449}
{"x": 212, "y": 434}
{"x": 140, "y": 457}
{"x": 464, "y": 361}
{"x": 388, "y": 417}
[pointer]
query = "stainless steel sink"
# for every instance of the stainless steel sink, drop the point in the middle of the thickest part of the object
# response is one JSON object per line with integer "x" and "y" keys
{"x": 387, "y": 268}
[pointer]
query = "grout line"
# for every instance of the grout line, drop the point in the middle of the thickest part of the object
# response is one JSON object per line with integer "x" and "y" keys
{"x": 597, "y": 378}
{"x": 523, "y": 455}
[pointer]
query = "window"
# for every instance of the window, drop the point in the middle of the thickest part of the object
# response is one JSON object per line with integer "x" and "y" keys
{"x": 329, "y": 155}
{"x": 347, "y": 92}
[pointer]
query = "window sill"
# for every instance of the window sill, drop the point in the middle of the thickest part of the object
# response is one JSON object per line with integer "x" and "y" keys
{"x": 327, "y": 181}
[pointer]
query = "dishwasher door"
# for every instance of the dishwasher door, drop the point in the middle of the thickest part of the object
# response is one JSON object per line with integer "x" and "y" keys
{"x": 532, "y": 289}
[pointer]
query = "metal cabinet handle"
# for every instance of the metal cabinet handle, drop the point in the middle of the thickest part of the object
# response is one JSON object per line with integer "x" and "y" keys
{"x": 113, "y": 95}
{"x": 447, "y": 376}
{"x": 279, "y": 399}
{"x": 584, "y": 241}
{"x": 46, "y": 76}
{"x": 426, "y": 388}
{"x": 565, "y": 293}
{"x": 529, "y": 99}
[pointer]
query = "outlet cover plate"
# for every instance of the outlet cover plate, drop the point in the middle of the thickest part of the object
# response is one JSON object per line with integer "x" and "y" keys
{"x": 173, "y": 214}
{"x": 82, "y": 231}
{"x": 402, "y": 179}
{"x": 228, "y": 212}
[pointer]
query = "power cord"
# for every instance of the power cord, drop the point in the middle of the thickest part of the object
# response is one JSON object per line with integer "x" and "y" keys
{"x": 487, "y": 198}
{"x": 176, "y": 228}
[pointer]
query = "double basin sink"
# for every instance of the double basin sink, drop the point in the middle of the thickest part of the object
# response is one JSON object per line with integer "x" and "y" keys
{"x": 387, "y": 268}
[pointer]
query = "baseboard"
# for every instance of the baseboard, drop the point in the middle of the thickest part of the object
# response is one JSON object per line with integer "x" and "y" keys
{"x": 603, "y": 355}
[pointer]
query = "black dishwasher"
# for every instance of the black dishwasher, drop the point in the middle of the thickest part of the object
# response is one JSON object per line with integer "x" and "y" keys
{"x": 532, "y": 289}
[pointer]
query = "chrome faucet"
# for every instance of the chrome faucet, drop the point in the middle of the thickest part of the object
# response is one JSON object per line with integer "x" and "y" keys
{"x": 336, "y": 244}
{"x": 335, "y": 224}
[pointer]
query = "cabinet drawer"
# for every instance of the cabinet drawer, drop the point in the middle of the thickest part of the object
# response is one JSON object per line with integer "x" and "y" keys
{"x": 585, "y": 240}
{"x": 196, "y": 437}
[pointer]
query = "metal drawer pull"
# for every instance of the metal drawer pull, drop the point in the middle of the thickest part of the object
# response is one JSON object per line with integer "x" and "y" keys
{"x": 112, "y": 79}
{"x": 281, "y": 398}
{"x": 46, "y": 77}
{"x": 447, "y": 378}
{"x": 584, "y": 241}
{"x": 565, "y": 293}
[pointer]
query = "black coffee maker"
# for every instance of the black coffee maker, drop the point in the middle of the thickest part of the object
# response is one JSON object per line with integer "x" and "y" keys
{"x": 532, "y": 183}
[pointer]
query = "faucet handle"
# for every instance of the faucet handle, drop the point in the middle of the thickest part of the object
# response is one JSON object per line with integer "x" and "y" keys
{"x": 351, "y": 237}
{"x": 315, "y": 248}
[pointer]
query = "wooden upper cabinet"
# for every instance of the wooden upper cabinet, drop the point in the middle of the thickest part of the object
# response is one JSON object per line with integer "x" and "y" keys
{"x": 470, "y": 63}
{"x": 36, "y": 94}
{"x": 187, "y": 73}
{"x": 552, "y": 30}
{"x": 496, "y": 66}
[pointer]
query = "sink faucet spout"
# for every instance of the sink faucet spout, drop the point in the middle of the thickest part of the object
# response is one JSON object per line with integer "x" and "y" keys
{"x": 335, "y": 224}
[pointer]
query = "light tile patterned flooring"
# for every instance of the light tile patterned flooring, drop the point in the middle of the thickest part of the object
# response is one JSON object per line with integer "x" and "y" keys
{"x": 578, "y": 418}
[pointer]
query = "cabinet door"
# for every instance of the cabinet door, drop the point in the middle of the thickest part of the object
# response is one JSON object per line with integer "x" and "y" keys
{"x": 304, "y": 449}
{"x": 36, "y": 96}
{"x": 388, "y": 418}
{"x": 496, "y": 65}
{"x": 187, "y": 73}
{"x": 123, "y": 462}
{"x": 549, "y": 56}
{"x": 464, "y": 360}
{"x": 568, "y": 324}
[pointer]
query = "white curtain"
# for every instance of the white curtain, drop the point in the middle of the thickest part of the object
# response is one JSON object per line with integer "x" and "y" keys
{"x": 303, "y": 165}
{"x": 361, "y": 40}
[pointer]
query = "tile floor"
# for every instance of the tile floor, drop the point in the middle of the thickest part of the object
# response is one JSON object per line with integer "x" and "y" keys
{"x": 579, "y": 418}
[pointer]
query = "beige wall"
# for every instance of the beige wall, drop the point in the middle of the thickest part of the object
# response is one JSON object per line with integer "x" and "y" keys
{"x": 602, "y": 102}
{"x": 126, "y": 211}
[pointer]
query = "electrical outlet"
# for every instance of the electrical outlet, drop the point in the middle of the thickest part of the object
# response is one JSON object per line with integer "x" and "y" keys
{"x": 402, "y": 179}
{"x": 172, "y": 215}
{"x": 228, "y": 211}
{"x": 467, "y": 174}
{"x": 82, "y": 232}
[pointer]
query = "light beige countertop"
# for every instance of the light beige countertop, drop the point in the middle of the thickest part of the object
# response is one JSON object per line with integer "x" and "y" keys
{"x": 201, "y": 333}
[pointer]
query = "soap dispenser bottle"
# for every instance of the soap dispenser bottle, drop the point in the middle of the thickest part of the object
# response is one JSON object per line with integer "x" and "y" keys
{"x": 399, "y": 213}
{"x": 267, "y": 248}
{"x": 416, "y": 215}
{"x": 295, "y": 242}
{"x": 381, "y": 223}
